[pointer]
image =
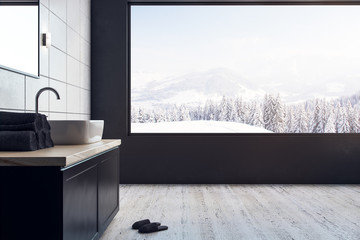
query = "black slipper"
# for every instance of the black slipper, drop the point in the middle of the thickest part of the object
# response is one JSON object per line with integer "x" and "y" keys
{"x": 152, "y": 227}
{"x": 141, "y": 223}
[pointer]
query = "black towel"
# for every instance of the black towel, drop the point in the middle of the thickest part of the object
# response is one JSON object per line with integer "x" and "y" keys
{"x": 48, "y": 140}
{"x": 21, "y": 127}
{"x": 18, "y": 141}
{"x": 11, "y": 118}
{"x": 23, "y": 121}
{"x": 44, "y": 139}
{"x": 20, "y": 122}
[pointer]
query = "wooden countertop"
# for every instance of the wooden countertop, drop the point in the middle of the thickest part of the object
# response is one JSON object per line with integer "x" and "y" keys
{"x": 60, "y": 155}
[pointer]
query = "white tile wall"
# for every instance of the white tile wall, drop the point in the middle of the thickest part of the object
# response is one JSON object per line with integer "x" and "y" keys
{"x": 32, "y": 87}
{"x": 85, "y": 27}
{"x": 73, "y": 71}
{"x": 55, "y": 104}
{"x": 70, "y": 116}
{"x": 84, "y": 76}
{"x": 73, "y": 43}
{"x": 57, "y": 64}
{"x": 84, "y": 55}
{"x": 57, "y": 116}
{"x": 58, "y": 32}
{"x": 45, "y": 3}
{"x": 85, "y": 117}
{"x": 64, "y": 66}
{"x": 73, "y": 99}
{"x": 58, "y": 7}
{"x": 73, "y": 14}
{"x": 85, "y": 106}
{"x": 85, "y": 7}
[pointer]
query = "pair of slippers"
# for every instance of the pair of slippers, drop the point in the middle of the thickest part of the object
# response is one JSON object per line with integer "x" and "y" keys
{"x": 145, "y": 226}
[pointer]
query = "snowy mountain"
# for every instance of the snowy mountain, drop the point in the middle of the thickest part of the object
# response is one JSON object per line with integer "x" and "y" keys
{"x": 354, "y": 100}
{"x": 195, "y": 88}
{"x": 196, "y": 127}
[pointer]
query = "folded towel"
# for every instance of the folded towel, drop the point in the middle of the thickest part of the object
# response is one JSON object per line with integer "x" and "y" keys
{"x": 11, "y": 118}
{"x": 23, "y": 121}
{"x": 39, "y": 125}
{"x": 44, "y": 139}
{"x": 45, "y": 123}
{"x": 18, "y": 141}
{"x": 21, "y": 127}
{"x": 48, "y": 140}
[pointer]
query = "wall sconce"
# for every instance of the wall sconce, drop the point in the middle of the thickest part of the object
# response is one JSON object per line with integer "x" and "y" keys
{"x": 46, "y": 39}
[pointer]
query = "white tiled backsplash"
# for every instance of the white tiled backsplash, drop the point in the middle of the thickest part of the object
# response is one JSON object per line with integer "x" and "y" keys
{"x": 64, "y": 66}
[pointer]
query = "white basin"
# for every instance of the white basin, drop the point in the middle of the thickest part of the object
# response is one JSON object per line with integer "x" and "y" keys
{"x": 67, "y": 132}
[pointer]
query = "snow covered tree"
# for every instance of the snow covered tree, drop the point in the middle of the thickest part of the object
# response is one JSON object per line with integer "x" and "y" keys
{"x": 183, "y": 114}
{"x": 315, "y": 116}
{"x": 342, "y": 122}
{"x": 279, "y": 115}
{"x": 159, "y": 115}
{"x": 352, "y": 118}
{"x": 241, "y": 110}
{"x": 328, "y": 118}
{"x": 289, "y": 122}
{"x": 134, "y": 115}
{"x": 223, "y": 111}
{"x": 316, "y": 121}
{"x": 149, "y": 117}
{"x": 226, "y": 110}
{"x": 337, "y": 117}
{"x": 247, "y": 112}
{"x": 357, "y": 119}
{"x": 141, "y": 116}
{"x": 300, "y": 120}
{"x": 267, "y": 112}
{"x": 171, "y": 114}
{"x": 209, "y": 110}
{"x": 237, "y": 110}
{"x": 197, "y": 113}
{"x": 274, "y": 114}
{"x": 256, "y": 115}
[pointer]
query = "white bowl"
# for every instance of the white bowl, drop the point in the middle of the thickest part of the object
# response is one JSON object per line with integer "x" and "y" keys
{"x": 68, "y": 132}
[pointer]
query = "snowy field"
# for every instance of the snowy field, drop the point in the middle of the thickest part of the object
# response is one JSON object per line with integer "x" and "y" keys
{"x": 196, "y": 127}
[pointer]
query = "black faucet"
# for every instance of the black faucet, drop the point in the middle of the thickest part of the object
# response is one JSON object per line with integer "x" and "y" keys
{"x": 38, "y": 95}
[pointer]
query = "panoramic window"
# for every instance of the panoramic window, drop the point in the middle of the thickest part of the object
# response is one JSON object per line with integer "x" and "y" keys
{"x": 245, "y": 69}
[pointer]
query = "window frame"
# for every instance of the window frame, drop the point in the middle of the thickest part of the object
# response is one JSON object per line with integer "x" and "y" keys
{"x": 219, "y": 3}
{"x": 202, "y": 159}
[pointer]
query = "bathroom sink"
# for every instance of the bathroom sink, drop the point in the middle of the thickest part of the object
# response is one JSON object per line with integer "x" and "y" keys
{"x": 66, "y": 132}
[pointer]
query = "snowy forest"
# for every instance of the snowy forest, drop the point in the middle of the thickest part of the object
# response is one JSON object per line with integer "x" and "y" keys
{"x": 313, "y": 116}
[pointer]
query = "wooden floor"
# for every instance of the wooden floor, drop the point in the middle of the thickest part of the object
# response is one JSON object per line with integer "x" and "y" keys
{"x": 225, "y": 212}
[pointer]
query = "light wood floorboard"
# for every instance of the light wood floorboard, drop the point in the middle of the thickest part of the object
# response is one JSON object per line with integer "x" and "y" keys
{"x": 234, "y": 212}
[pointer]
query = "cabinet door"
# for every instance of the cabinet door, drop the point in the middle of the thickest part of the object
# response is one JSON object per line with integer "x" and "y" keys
{"x": 80, "y": 202}
{"x": 108, "y": 188}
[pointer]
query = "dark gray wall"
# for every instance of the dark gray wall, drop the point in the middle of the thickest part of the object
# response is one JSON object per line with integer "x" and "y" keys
{"x": 108, "y": 56}
{"x": 203, "y": 158}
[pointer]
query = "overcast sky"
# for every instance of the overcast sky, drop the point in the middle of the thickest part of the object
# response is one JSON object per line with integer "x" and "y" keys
{"x": 290, "y": 49}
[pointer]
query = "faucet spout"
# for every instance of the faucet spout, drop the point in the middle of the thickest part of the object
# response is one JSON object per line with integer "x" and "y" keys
{"x": 38, "y": 95}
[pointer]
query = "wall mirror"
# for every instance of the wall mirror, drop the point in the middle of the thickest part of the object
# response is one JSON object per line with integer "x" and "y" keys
{"x": 19, "y": 37}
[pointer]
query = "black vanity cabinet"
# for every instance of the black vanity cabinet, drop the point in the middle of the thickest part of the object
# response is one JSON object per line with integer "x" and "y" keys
{"x": 77, "y": 202}
{"x": 108, "y": 190}
{"x": 80, "y": 202}
{"x": 91, "y": 196}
